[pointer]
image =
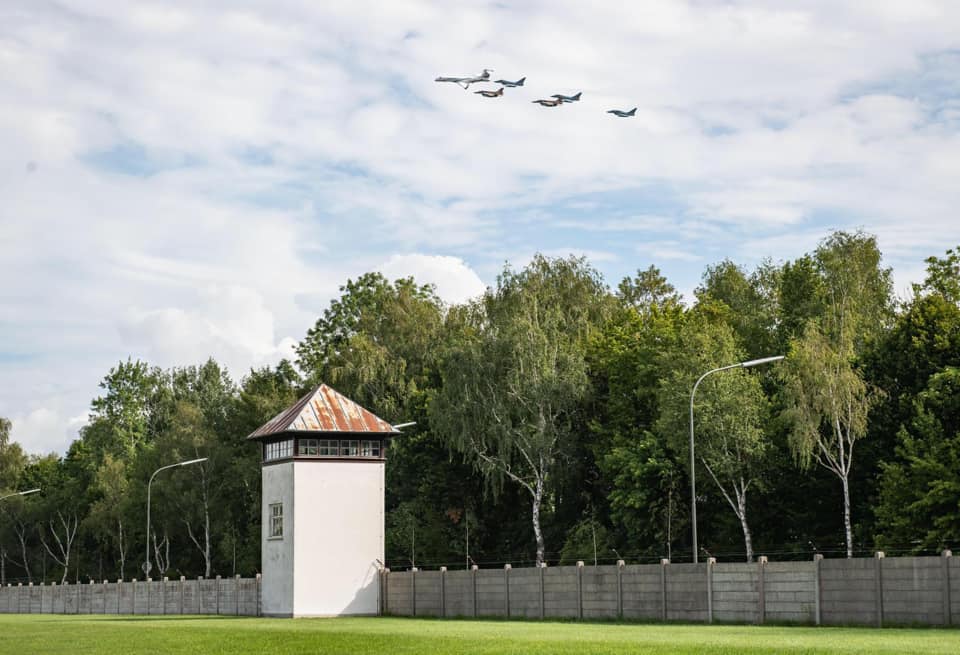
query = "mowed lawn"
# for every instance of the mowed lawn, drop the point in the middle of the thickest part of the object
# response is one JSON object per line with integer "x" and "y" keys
{"x": 54, "y": 634}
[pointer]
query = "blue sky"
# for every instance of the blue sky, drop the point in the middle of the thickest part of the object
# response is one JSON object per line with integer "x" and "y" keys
{"x": 183, "y": 180}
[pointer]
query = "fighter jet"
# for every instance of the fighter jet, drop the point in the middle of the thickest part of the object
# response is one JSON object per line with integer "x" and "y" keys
{"x": 467, "y": 81}
{"x": 511, "y": 85}
{"x": 548, "y": 103}
{"x": 563, "y": 98}
{"x": 623, "y": 114}
{"x": 491, "y": 94}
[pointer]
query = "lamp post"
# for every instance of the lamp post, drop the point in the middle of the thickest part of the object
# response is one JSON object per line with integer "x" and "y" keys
{"x": 693, "y": 462}
{"x": 20, "y": 493}
{"x": 147, "y": 566}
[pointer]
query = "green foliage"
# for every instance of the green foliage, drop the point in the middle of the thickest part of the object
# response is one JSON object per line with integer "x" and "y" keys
{"x": 943, "y": 276}
{"x": 589, "y": 542}
{"x": 646, "y": 290}
{"x": 515, "y": 383}
{"x": 920, "y": 490}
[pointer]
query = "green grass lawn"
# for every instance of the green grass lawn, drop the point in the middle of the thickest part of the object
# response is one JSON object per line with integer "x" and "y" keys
{"x": 54, "y": 634}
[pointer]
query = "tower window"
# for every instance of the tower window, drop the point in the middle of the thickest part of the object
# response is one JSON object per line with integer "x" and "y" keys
{"x": 329, "y": 447}
{"x": 278, "y": 450}
{"x": 308, "y": 446}
{"x": 276, "y": 521}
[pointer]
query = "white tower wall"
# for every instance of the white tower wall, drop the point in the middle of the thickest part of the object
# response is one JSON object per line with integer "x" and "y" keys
{"x": 277, "y": 555}
{"x": 338, "y": 537}
{"x": 333, "y": 536}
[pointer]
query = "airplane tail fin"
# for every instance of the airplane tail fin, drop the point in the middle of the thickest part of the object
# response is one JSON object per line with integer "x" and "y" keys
{"x": 521, "y": 81}
{"x": 577, "y": 97}
{"x": 633, "y": 112}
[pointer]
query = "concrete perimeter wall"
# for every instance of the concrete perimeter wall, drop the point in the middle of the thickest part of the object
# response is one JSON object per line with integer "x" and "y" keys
{"x": 874, "y": 592}
{"x": 227, "y": 596}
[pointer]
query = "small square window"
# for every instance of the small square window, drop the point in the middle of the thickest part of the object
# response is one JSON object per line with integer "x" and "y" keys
{"x": 308, "y": 447}
{"x": 349, "y": 448}
{"x": 369, "y": 448}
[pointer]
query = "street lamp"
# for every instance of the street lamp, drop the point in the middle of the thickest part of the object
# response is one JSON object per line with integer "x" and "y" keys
{"x": 20, "y": 493}
{"x": 147, "y": 566}
{"x": 693, "y": 462}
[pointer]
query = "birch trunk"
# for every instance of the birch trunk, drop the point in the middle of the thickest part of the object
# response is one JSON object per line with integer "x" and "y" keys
{"x": 25, "y": 562}
{"x": 122, "y": 548}
{"x": 537, "y": 532}
{"x": 65, "y": 545}
{"x": 747, "y": 538}
{"x": 846, "y": 515}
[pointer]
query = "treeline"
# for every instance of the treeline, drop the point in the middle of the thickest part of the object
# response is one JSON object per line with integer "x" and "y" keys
{"x": 552, "y": 423}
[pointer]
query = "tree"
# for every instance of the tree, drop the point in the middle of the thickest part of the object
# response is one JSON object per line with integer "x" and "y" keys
{"x": 516, "y": 380}
{"x": 647, "y": 289}
{"x": 747, "y": 302}
{"x": 640, "y": 473}
{"x": 12, "y": 458}
{"x": 920, "y": 491}
{"x": 107, "y": 514}
{"x": 128, "y": 415}
{"x": 730, "y": 413}
{"x": 826, "y": 400}
{"x": 943, "y": 276}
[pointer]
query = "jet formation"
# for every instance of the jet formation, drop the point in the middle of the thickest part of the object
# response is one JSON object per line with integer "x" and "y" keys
{"x": 555, "y": 100}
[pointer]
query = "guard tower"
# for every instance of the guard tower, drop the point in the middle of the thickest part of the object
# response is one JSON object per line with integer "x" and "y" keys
{"x": 322, "y": 507}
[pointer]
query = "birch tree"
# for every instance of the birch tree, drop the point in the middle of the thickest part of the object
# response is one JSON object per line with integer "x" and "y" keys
{"x": 107, "y": 514}
{"x": 57, "y": 537}
{"x": 730, "y": 411}
{"x": 515, "y": 380}
{"x": 826, "y": 400}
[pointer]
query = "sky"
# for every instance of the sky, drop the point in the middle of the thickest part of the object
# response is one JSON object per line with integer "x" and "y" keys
{"x": 181, "y": 180}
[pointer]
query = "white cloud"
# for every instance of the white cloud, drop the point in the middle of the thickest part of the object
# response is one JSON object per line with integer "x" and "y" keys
{"x": 231, "y": 324}
{"x": 454, "y": 280}
{"x": 184, "y": 180}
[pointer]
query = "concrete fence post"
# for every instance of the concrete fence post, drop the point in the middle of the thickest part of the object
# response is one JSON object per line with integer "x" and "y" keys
{"x": 19, "y": 591}
{"x": 947, "y": 607}
{"x": 148, "y": 581}
{"x": 119, "y": 595}
{"x": 183, "y": 582}
{"x": 443, "y": 591}
{"x": 163, "y": 594}
{"x": 506, "y": 589}
{"x": 218, "y": 595}
{"x": 664, "y": 563}
{"x": 413, "y": 590}
{"x": 620, "y": 565}
{"x": 236, "y": 587}
{"x": 579, "y": 589}
{"x": 473, "y": 585}
{"x": 711, "y": 561}
{"x": 762, "y": 590}
{"x": 878, "y": 585}
{"x": 260, "y": 592}
{"x": 543, "y": 601}
{"x": 384, "y": 589}
{"x": 817, "y": 604}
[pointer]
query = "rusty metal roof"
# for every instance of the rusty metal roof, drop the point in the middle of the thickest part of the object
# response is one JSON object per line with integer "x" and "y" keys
{"x": 324, "y": 410}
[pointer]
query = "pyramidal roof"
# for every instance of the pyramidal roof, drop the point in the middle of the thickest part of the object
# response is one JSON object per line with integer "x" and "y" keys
{"x": 324, "y": 410}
